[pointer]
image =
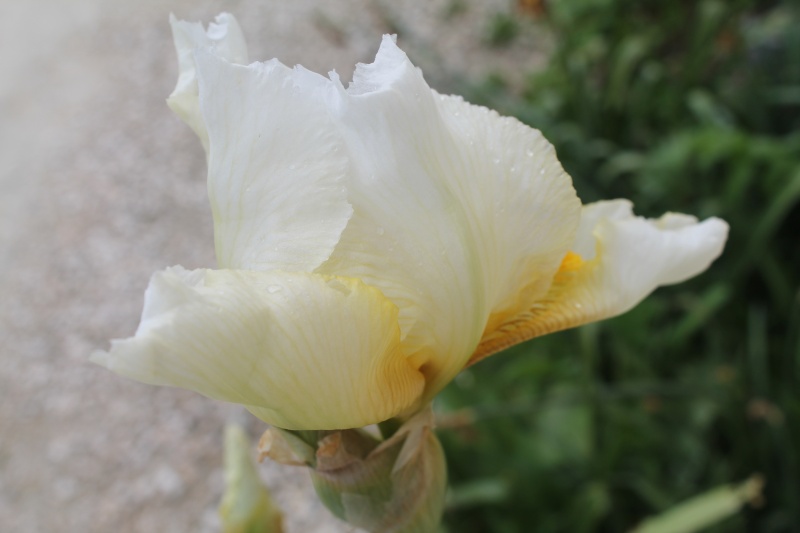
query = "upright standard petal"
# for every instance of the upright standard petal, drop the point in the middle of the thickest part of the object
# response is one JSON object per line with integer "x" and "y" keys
{"x": 276, "y": 165}
{"x": 224, "y": 39}
{"x": 524, "y": 211}
{"x": 301, "y": 351}
{"x": 618, "y": 259}
{"x": 454, "y": 208}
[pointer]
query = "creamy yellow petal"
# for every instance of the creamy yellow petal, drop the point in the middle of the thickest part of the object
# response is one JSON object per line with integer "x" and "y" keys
{"x": 224, "y": 38}
{"x": 524, "y": 211}
{"x": 625, "y": 258}
{"x": 301, "y": 351}
{"x": 276, "y": 165}
{"x": 454, "y": 207}
{"x": 408, "y": 235}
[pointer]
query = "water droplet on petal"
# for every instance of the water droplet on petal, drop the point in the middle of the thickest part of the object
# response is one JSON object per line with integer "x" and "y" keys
{"x": 380, "y": 231}
{"x": 529, "y": 151}
{"x": 272, "y": 289}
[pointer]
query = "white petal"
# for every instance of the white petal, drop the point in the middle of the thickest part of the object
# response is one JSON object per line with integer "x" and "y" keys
{"x": 631, "y": 257}
{"x": 276, "y": 165}
{"x": 639, "y": 255}
{"x": 524, "y": 210}
{"x": 224, "y": 39}
{"x": 591, "y": 214}
{"x": 454, "y": 208}
{"x": 301, "y": 351}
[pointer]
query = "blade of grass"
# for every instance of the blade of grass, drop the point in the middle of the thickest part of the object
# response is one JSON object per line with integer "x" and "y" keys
{"x": 704, "y": 510}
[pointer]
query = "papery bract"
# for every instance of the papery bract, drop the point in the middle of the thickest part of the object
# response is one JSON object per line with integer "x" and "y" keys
{"x": 374, "y": 240}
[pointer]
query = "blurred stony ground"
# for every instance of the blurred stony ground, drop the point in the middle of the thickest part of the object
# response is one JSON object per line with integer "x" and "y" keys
{"x": 101, "y": 186}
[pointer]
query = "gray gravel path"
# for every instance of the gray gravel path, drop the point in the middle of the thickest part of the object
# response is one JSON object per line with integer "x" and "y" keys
{"x": 102, "y": 186}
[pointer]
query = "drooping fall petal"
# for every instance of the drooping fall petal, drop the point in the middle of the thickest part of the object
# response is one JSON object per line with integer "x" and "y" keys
{"x": 618, "y": 259}
{"x": 300, "y": 351}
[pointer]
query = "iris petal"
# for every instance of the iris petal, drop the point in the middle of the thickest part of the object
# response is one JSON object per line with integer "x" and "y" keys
{"x": 276, "y": 165}
{"x": 223, "y": 37}
{"x": 454, "y": 206}
{"x": 625, "y": 259}
{"x": 302, "y": 351}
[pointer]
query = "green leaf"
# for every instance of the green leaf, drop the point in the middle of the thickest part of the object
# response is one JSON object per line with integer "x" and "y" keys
{"x": 704, "y": 510}
{"x": 246, "y": 506}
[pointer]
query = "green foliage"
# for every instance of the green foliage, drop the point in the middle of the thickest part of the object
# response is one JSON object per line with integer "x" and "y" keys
{"x": 246, "y": 506}
{"x": 691, "y": 106}
{"x": 704, "y": 510}
{"x": 502, "y": 30}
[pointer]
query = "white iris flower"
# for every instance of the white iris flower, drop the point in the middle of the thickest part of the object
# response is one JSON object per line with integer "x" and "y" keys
{"x": 372, "y": 241}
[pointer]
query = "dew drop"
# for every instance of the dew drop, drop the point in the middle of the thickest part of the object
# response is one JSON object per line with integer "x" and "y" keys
{"x": 529, "y": 151}
{"x": 272, "y": 289}
{"x": 379, "y": 230}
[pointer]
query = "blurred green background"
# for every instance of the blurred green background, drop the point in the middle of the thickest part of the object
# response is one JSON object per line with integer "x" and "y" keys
{"x": 683, "y": 105}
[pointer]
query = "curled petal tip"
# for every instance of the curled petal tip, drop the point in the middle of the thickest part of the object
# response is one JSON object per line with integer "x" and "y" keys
{"x": 620, "y": 260}
{"x": 388, "y": 67}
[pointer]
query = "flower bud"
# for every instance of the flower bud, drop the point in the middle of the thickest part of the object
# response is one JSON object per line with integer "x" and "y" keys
{"x": 396, "y": 486}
